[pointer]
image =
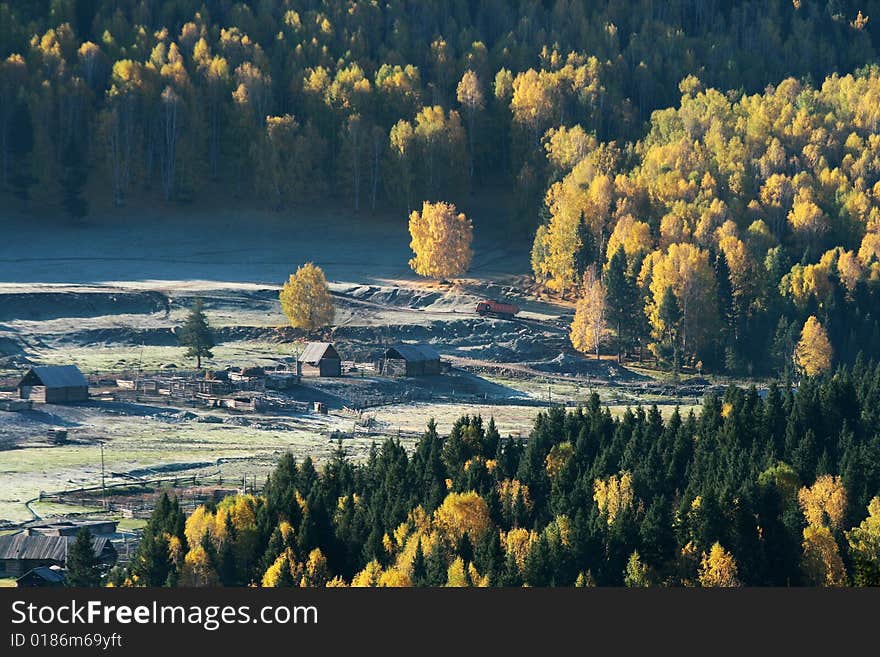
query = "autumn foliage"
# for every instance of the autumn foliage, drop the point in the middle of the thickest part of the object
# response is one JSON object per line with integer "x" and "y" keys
{"x": 305, "y": 299}
{"x": 613, "y": 495}
{"x": 441, "y": 241}
{"x": 741, "y": 206}
{"x": 589, "y": 326}
{"x": 813, "y": 352}
{"x": 717, "y": 568}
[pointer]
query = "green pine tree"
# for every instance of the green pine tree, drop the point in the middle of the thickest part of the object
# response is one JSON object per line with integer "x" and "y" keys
{"x": 465, "y": 548}
{"x": 419, "y": 567}
{"x": 285, "y": 577}
{"x": 622, "y": 298}
{"x": 195, "y": 334}
{"x": 511, "y": 575}
{"x": 152, "y": 565}
{"x": 670, "y": 315}
{"x": 489, "y": 556}
{"x": 83, "y": 568}
{"x": 437, "y": 566}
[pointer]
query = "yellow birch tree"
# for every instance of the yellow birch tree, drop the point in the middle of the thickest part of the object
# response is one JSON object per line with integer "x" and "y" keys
{"x": 441, "y": 241}
{"x": 718, "y": 568}
{"x": 821, "y": 562}
{"x": 590, "y": 326}
{"x": 824, "y": 503}
{"x": 813, "y": 352}
{"x": 305, "y": 299}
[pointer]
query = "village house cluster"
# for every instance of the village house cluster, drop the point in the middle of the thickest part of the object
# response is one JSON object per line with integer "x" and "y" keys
{"x": 242, "y": 389}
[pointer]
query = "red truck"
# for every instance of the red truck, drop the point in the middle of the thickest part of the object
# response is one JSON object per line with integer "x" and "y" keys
{"x": 497, "y": 309}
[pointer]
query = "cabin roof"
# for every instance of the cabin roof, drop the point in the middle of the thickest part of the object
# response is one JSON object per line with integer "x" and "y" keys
{"x": 45, "y": 573}
{"x": 413, "y": 353}
{"x": 55, "y": 376}
{"x": 39, "y": 547}
{"x": 318, "y": 351}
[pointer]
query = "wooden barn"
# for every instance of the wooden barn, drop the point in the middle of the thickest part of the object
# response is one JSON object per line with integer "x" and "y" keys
{"x": 410, "y": 360}
{"x": 320, "y": 359}
{"x": 54, "y": 384}
{"x": 41, "y": 577}
{"x": 20, "y": 553}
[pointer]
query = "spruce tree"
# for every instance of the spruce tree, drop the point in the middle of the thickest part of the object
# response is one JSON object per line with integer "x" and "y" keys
{"x": 730, "y": 337}
{"x": 538, "y": 569}
{"x": 437, "y": 566}
{"x": 195, "y": 334}
{"x": 511, "y": 575}
{"x": 373, "y": 548}
{"x": 285, "y": 577}
{"x": 491, "y": 439}
{"x": 152, "y": 564}
{"x": 656, "y": 534}
{"x": 273, "y": 550}
{"x": 83, "y": 568}
{"x": 212, "y": 559}
{"x": 622, "y": 297}
{"x": 670, "y": 315}
{"x": 465, "y": 548}
{"x": 489, "y": 556}
{"x": 419, "y": 567}
{"x": 588, "y": 252}
{"x": 226, "y": 563}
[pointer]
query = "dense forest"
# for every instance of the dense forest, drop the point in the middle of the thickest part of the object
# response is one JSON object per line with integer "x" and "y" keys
{"x": 392, "y": 100}
{"x": 779, "y": 489}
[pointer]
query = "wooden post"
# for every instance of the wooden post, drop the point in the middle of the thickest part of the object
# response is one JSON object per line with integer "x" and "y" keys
{"x": 103, "y": 486}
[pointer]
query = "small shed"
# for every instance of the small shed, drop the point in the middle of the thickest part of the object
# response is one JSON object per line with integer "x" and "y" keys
{"x": 42, "y": 577}
{"x": 54, "y": 384}
{"x": 320, "y": 359}
{"x": 22, "y": 552}
{"x": 410, "y": 360}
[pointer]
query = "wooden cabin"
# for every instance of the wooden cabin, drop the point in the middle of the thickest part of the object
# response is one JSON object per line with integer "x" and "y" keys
{"x": 320, "y": 359}
{"x": 54, "y": 384}
{"x": 42, "y": 577}
{"x": 22, "y": 552}
{"x": 410, "y": 360}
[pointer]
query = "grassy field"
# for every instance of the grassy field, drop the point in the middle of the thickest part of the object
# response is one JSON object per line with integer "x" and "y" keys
{"x": 119, "y": 357}
{"x": 147, "y": 445}
{"x": 131, "y": 524}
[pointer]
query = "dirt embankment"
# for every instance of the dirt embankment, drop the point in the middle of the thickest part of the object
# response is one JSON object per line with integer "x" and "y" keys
{"x": 38, "y": 306}
{"x": 371, "y": 318}
{"x": 488, "y": 339}
{"x": 167, "y": 336}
